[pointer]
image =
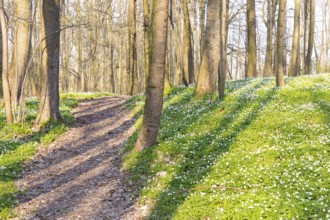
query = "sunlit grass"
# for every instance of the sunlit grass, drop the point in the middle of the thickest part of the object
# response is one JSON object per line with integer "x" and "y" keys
{"x": 18, "y": 142}
{"x": 261, "y": 152}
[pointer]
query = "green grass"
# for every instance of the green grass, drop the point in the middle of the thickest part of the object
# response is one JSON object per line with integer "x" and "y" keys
{"x": 261, "y": 152}
{"x": 18, "y": 142}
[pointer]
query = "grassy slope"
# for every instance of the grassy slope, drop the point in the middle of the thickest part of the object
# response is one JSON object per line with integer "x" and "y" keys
{"x": 19, "y": 142}
{"x": 259, "y": 153}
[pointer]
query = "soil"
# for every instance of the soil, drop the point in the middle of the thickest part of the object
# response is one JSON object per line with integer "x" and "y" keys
{"x": 79, "y": 176}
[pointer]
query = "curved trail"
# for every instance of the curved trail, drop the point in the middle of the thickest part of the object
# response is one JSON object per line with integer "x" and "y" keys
{"x": 78, "y": 176}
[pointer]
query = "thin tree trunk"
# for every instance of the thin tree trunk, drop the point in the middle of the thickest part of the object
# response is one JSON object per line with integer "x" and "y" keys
{"x": 268, "y": 68}
{"x": 280, "y": 44}
{"x": 146, "y": 20}
{"x": 252, "y": 42}
{"x": 201, "y": 27}
{"x": 305, "y": 23}
{"x": 295, "y": 41}
{"x": 327, "y": 48}
{"x": 5, "y": 80}
{"x": 206, "y": 82}
{"x": 50, "y": 35}
{"x": 112, "y": 74}
{"x": 132, "y": 52}
{"x": 21, "y": 50}
{"x": 188, "y": 56}
{"x": 155, "y": 88}
{"x": 310, "y": 37}
{"x": 223, "y": 49}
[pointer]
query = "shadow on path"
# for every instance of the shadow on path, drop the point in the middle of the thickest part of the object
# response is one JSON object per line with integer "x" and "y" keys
{"x": 76, "y": 175}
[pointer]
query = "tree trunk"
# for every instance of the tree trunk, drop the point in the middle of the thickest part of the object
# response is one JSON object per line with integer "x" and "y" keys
{"x": 201, "y": 27}
{"x": 294, "y": 68}
{"x": 155, "y": 88}
{"x": 132, "y": 52}
{"x": 206, "y": 82}
{"x": 188, "y": 56}
{"x": 146, "y": 20}
{"x": 305, "y": 23}
{"x": 252, "y": 42}
{"x": 310, "y": 37}
{"x": 21, "y": 50}
{"x": 327, "y": 47}
{"x": 280, "y": 44}
{"x": 223, "y": 49}
{"x": 50, "y": 36}
{"x": 268, "y": 68}
{"x": 285, "y": 45}
{"x": 5, "y": 80}
{"x": 112, "y": 74}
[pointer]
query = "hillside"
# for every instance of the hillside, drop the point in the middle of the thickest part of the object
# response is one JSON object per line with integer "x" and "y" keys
{"x": 261, "y": 152}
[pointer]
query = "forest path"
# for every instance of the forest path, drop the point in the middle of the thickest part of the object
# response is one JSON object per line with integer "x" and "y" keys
{"x": 78, "y": 176}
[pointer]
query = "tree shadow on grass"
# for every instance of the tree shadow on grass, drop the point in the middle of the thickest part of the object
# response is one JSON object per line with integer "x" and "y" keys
{"x": 194, "y": 147}
{"x": 191, "y": 173}
{"x": 13, "y": 153}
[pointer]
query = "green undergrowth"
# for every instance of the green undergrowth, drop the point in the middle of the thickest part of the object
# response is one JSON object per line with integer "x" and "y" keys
{"x": 18, "y": 142}
{"x": 261, "y": 152}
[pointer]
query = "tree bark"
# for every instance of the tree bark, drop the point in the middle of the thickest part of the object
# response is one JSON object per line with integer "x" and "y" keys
{"x": 252, "y": 42}
{"x": 327, "y": 48}
{"x": 132, "y": 51}
{"x": 206, "y": 82}
{"x": 188, "y": 56}
{"x": 146, "y": 21}
{"x": 310, "y": 37}
{"x": 268, "y": 68}
{"x": 294, "y": 68}
{"x": 50, "y": 36}
{"x": 5, "y": 80}
{"x": 201, "y": 27}
{"x": 280, "y": 44}
{"x": 21, "y": 50}
{"x": 223, "y": 49}
{"x": 305, "y": 24}
{"x": 155, "y": 88}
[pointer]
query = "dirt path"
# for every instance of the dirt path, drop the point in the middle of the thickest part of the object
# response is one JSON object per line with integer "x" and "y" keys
{"x": 78, "y": 176}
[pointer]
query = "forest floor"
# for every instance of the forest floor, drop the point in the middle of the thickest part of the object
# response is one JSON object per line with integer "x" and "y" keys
{"x": 79, "y": 175}
{"x": 259, "y": 153}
